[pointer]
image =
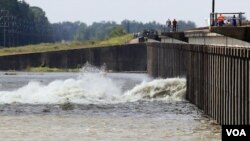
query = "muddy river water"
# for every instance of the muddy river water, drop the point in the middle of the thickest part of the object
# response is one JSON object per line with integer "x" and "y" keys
{"x": 99, "y": 106}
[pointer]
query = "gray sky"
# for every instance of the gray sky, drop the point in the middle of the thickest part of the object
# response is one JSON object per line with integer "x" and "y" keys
{"x": 89, "y": 11}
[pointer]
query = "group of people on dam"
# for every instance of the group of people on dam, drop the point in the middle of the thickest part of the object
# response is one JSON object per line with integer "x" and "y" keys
{"x": 171, "y": 25}
{"x": 221, "y": 20}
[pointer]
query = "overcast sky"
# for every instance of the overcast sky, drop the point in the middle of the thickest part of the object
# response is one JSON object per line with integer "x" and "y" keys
{"x": 89, "y": 11}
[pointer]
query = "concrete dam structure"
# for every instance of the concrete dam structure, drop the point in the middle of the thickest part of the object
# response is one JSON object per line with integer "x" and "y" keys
{"x": 218, "y": 77}
{"x": 116, "y": 58}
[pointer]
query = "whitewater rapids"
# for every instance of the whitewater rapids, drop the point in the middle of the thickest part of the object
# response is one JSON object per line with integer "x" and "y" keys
{"x": 95, "y": 105}
{"x": 93, "y": 86}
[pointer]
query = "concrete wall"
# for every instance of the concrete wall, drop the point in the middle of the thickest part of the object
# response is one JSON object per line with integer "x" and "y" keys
{"x": 166, "y": 60}
{"x": 117, "y": 58}
{"x": 172, "y": 40}
{"x": 240, "y": 33}
{"x": 218, "y": 41}
{"x": 176, "y": 35}
{"x": 209, "y": 38}
{"x": 218, "y": 78}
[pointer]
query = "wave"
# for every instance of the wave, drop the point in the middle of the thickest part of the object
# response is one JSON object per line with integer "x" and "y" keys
{"x": 93, "y": 86}
{"x": 169, "y": 90}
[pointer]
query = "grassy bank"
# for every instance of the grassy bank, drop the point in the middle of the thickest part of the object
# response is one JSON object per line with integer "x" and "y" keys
{"x": 47, "y": 69}
{"x": 65, "y": 46}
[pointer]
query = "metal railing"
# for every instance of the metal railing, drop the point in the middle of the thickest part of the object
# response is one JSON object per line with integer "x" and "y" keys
{"x": 165, "y": 29}
{"x": 214, "y": 16}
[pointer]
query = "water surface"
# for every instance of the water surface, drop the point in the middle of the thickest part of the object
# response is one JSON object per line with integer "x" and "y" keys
{"x": 113, "y": 106}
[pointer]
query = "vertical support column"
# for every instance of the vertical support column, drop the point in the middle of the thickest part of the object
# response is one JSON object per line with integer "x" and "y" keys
{"x": 213, "y": 83}
{"x": 248, "y": 85}
{"x": 210, "y": 81}
{"x": 230, "y": 87}
{"x": 224, "y": 71}
{"x": 245, "y": 86}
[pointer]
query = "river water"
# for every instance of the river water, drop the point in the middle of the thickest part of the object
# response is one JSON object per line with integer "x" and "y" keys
{"x": 93, "y": 105}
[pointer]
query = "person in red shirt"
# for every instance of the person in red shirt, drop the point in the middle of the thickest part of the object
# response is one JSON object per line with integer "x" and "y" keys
{"x": 174, "y": 25}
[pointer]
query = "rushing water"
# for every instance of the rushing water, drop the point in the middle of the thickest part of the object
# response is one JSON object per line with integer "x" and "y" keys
{"x": 93, "y": 105}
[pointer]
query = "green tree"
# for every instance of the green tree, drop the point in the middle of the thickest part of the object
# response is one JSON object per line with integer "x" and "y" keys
{"x": 10, "y": 5}
{"x": 81, "y": 32}
{"x": 183, "y": 25}
{"x": 41, "y": 25}
{"x": 117, "y": 31}
{"x": 25, "y": 24}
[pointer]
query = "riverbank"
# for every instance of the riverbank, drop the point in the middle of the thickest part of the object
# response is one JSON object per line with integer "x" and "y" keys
{"x": 47, "y": 47}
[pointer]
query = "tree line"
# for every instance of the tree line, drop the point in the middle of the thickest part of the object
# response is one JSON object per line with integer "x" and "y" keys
{"x": 21, "y": 24}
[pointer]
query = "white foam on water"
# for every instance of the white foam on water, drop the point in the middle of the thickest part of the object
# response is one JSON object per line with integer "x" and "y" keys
{"x": 89, "y": 88}
{"x": 169, "y": 90}
{"x": 94, "y": 87}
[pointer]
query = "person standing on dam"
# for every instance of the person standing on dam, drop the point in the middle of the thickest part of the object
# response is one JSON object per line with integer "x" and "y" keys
{"x": 174, "y": 25}
{"x": 234, "y": 22}
{"x": 169, "y": 25}
{"x": 221, "y": 20}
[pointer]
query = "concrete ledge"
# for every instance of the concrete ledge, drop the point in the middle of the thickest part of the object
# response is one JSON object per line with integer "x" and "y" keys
{"x": 240, "y": 33}
{"x": 205, "y": 37}
{"x": 176, "y": 35}
{"x": 166, "y": 39}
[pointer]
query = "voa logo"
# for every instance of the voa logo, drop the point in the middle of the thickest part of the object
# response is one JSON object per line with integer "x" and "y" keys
{"x": 236, "y": 132}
